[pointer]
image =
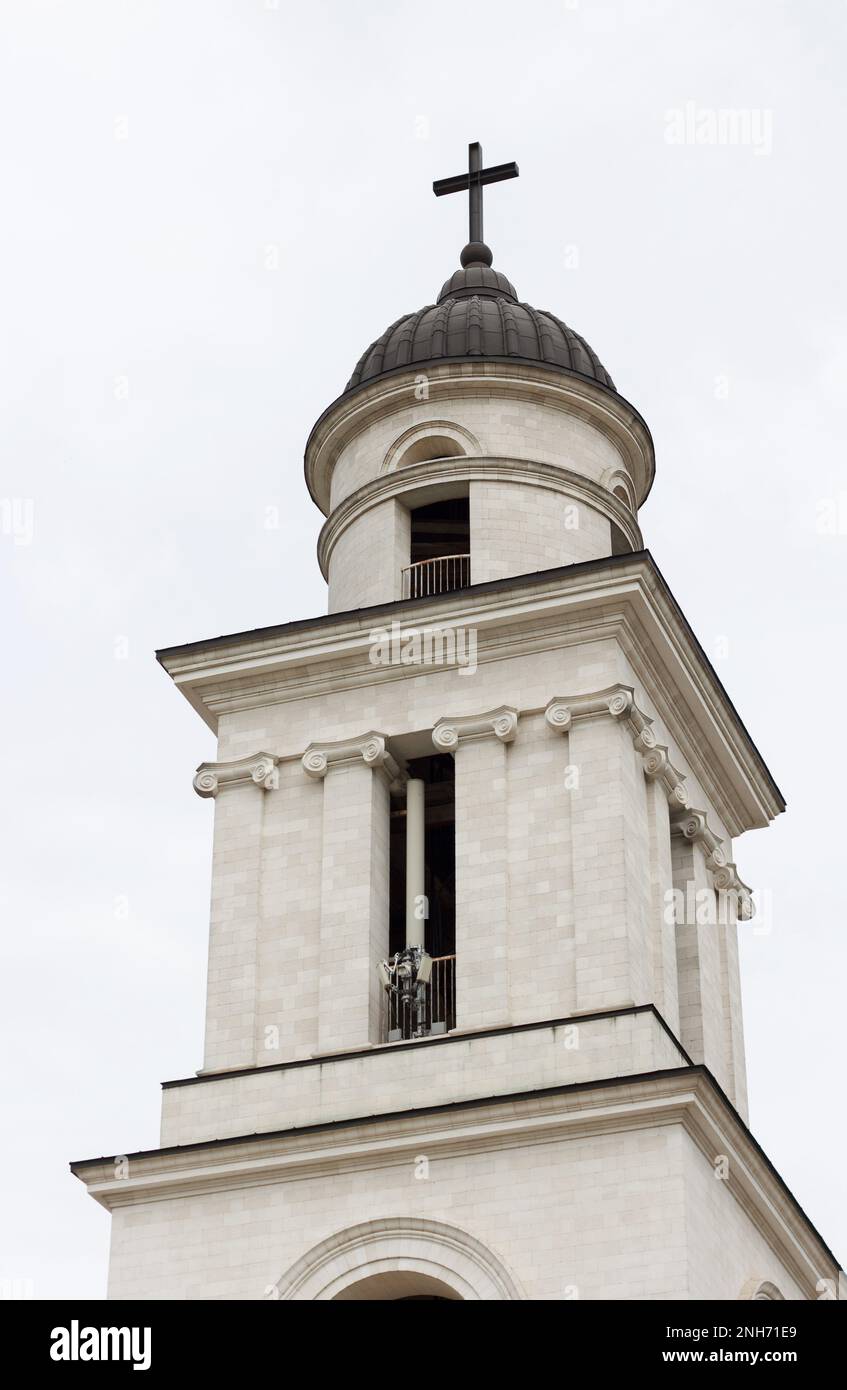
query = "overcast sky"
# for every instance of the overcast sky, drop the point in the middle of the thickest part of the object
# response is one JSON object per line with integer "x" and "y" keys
{"x": 210, "y": 210}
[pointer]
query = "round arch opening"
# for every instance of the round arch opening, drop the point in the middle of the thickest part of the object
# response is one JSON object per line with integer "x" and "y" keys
{"x": 429, "y": 448}
{"x": 397, "y": 1286}
{"x": 395, "y": 1258}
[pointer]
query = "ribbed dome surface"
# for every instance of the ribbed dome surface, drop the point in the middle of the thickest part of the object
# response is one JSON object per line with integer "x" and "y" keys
{"x": 478, "y": 315}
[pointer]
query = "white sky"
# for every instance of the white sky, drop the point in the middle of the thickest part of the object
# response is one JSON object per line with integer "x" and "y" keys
{"x": 157, "y": 386}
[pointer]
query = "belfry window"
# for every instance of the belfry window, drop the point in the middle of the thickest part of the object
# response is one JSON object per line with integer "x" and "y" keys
{"x": 440, "y": 558}
{"x": 424, "y": 921}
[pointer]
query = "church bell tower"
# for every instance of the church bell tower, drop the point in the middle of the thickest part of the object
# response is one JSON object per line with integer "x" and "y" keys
{"x": 473, "y": 1022}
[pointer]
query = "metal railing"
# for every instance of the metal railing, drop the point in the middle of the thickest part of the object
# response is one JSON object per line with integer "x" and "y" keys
{"x": 436, "y": 576}
{"x": 439, "y": 1011}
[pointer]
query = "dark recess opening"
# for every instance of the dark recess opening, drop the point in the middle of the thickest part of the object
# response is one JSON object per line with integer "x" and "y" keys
{"x": 620, "y": 544}
{"x": 442, "y": 528}
{"x": 438, "y": 772}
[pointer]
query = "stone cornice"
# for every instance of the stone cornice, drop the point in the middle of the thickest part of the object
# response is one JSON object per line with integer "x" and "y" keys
{"x": 453, "y": 381}
{"x": 623, "y": 598}
{"x": 618, "y": 701}
{"x": 499, "y": 723}
{"x": 371, "y": 748}
{"x": 688, "y": 1096}
{"x": 259, "y": 768}
{"x": 555, "y": 478}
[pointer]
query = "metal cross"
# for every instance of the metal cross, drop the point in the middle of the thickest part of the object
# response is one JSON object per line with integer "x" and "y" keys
{"x": 473, "y": 181}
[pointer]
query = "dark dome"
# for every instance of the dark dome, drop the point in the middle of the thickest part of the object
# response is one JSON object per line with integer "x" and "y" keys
{"x": 478, "y": 314}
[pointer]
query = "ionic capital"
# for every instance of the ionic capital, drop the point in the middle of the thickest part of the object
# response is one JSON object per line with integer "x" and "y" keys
{"x": 371, "y": 748}
{"x": 499, "y": 723}
{"x": 659, "y": 768}
{"x": 618, "y": 701}
{"x": 559, "y": 715}
{"x": 694, "y": 825}
{"x": 260, "y": 768}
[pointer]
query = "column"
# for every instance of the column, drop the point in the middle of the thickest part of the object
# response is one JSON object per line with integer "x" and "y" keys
{"x": 415, "y": 861}
{"x": 238, "y": 789}
{"x": 357, "y": 775}
{"x": 479, "y": 744}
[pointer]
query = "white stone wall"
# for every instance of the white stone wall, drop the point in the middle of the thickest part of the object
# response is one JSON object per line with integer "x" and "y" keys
{"x": 516, "y": 529}
{"x": 433, "y": 1073}
{"x": 628, "y": 1214}
{"x": 721, "y": 1239}
{"x": 500, "y": 428}
{"x": 369, "y": 557}
{"x": 416, "y": 697}
{"x": 598, "y": 1218}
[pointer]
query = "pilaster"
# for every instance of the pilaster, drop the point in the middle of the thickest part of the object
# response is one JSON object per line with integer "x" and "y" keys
{"x": 662, "y": 923}
{"x": 238, "y": 789}
{"x": 542, "y": 963}
{"x": 356, "y": 776}
{"x": 610, "y": 849}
